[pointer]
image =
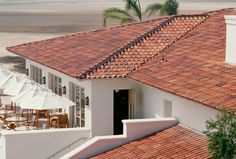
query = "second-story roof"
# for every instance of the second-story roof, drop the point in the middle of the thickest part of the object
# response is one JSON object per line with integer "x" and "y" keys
{"x": 183, "y": 55}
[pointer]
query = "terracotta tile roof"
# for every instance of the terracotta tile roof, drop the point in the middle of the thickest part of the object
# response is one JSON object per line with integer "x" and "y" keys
{"x": 183, "y": 55}
{"x": 75, "y": 54}
{"x": 177, "y": 142}
{"x": 194, "y": 66}
{"x": 147, "y": 46}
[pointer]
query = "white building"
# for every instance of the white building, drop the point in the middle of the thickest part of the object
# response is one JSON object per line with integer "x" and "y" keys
{"x": 168, "y": 67}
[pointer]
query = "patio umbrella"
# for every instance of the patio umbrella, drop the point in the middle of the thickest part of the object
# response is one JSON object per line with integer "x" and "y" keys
{"x": 25, "y": 96}
{"x": 11, "y": 80}
{"x": 19, "y": 87}
{"x": 4, "y": 75}
{"x": 46, "y": 100}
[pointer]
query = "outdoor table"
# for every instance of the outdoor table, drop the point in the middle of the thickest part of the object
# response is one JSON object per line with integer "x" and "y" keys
{"x": 5, "y": 113}
{"x": 16, "y": 120}
{"x": 57, "y": 113}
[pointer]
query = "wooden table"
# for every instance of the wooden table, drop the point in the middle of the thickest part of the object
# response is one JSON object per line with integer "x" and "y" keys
{"x": 16, "y": 120}
{"x": 5, "y": 113}
{"x": 2, "y": 112}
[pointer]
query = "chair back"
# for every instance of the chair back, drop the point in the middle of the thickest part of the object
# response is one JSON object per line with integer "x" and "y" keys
{"x": 1, "y": 124}
{"x": 63, "y": 121}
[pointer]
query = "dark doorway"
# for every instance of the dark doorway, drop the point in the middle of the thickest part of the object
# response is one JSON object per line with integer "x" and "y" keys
{"x": 120, "y": 109}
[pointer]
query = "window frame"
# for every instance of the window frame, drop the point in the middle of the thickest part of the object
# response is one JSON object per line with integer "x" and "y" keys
{"x": 36, "y": 74}
{"x": 78, "y": 112}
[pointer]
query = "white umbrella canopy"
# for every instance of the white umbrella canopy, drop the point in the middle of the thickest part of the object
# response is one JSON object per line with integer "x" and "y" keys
{"x": 11, "y": 80}
{"x": 27, "y": 95}
{"x": 47, "y": 100}
{"x": 4, "y": 74}
{"x": 19, "y": 87}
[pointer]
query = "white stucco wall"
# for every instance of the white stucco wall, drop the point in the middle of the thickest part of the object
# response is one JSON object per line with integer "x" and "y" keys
{"x": 150, "y": 100}
{"x": 2, "y": 147}
{"x": 102, "y": 103}
{"x": 39, "y": 144}
{"x": 188, "y": 112}
{"x": 86, "y": 84}
{"x": 133, "y": 129}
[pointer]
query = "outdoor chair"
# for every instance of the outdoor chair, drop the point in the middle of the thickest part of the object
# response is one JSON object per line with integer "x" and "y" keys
{"x": 1, "y": 124}
{"x": 0, "y": 103}
{"x": 31, "y": 122}
{"x": 63, "y": 121}
{"x": 54, "y": 122}
{"x": 8, "y": 107}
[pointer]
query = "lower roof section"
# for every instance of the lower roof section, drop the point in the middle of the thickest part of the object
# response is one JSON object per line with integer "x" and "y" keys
{"x": 175, "y": 142}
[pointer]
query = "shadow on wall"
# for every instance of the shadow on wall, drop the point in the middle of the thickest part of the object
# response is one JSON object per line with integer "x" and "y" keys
{"x": 15, "y": 63}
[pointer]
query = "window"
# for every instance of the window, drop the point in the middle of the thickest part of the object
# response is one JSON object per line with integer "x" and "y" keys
{"x": 55, "y": 84}
{"x": 167, "y": 108}
{"x": 36, "y": 74}
{"x": 78, "y": 111}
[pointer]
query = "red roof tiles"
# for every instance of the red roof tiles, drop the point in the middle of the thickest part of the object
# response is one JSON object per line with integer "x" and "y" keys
{"x": 146, "y": 47}
{"x": 183, "y": 55}
{"x": 75, "y": 54}
{"x": 194, "y": 66}
{"x": 177, "y": 142}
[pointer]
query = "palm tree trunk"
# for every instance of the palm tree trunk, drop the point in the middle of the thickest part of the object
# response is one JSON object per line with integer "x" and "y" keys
{"x": 104, "y": 22}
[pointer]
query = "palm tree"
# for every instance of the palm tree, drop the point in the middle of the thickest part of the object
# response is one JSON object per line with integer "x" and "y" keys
{"x": 131, "y": 13}
{"x": 170, "y": 7}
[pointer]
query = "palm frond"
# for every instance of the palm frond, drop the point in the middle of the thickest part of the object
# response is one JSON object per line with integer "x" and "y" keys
{"x": 118, "y": 14}
{"x": 128, "y": 4}
{"x": 135, "y": 7}
{"x": 153, "y": 8}
{"x": 170, "y": 7}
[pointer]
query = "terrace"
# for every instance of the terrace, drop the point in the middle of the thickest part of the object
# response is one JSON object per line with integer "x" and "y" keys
{"x": 31, "y": 113}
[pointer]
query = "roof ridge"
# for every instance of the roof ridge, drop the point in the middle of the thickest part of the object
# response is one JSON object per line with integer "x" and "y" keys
{"x": 207, "y": 14}
{"x": 218, "y": 11}
{"x": 169, "y": 45}
{"x": 140, "y": 39}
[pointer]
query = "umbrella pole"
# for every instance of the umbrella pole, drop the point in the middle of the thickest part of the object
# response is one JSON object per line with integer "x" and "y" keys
{"x": 14, "y": 107}
{"x": 27, "y": 115}
{"x": 37, "y": 123}
{"x": 48, "y": 119}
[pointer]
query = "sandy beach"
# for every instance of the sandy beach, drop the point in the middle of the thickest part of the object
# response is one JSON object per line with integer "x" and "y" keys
{"x": 26, "y": 22}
